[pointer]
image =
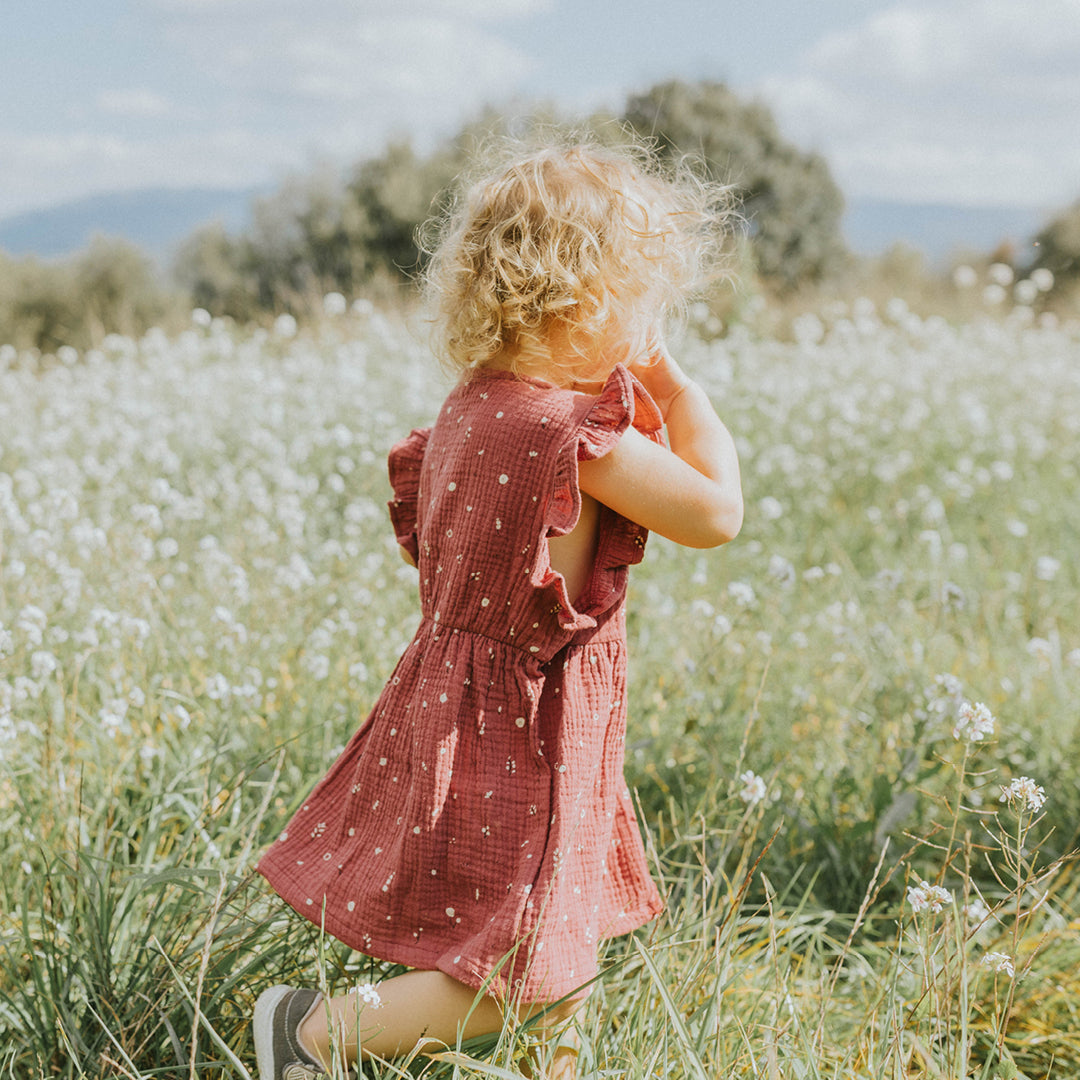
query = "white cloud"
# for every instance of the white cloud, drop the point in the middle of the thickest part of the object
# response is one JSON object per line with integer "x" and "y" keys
{"x": 971, "y": 101}
{"x": 138, "y": 102}
{"x": 377, "y": 60}
{"x": 274, "y": 85}
{"x": 41, "y": 170}
{"x": 365, "y": 9}
{"x": 334, "y": 69}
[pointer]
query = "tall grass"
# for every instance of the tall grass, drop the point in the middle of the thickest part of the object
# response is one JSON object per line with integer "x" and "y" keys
{"x": 200, "y": 597}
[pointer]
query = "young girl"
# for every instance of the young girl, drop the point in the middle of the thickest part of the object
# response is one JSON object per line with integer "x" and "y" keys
{"x": 477, "y": 828}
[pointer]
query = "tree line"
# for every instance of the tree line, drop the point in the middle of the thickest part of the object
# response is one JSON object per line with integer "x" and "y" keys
{"x": 357, "y": 233}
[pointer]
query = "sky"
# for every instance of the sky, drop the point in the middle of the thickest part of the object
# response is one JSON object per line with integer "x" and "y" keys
{"x": 972, "y": 102}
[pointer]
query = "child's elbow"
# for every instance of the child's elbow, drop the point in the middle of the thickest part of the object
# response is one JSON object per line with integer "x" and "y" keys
{"x": 732, "y": 523}
{"x": 728, "y": 525}
{"x": 720, "y": 523}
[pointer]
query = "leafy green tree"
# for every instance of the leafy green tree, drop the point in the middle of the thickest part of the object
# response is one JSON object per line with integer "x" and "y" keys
{"x": 37, "y": 304}
{"x": 1058, "y": 249}
{"x": 391, "y": 195}
{"x": 117, "y": 289}
{"x": 394, "y": 194}
{"x": 791, "y": 203}
{"x": 214, "y": 268}
{"x": 108, "y": 287}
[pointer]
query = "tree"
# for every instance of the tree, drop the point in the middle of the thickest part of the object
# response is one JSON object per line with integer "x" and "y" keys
{"x": 392, "y": 194}
{"x": 215, "y": 269}
{"x": 117, "y": 289}
{"x": 1058, "y": 249}
{"x": 791, "y": 203}
{"x": 109, "y": 287}
{"x": 38, "y": 306}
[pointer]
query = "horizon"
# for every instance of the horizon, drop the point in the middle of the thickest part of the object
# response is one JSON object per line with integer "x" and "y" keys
{"x": 158, "y": 220}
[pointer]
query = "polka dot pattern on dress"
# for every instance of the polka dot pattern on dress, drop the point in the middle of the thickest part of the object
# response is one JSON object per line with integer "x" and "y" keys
{"x": 497, "y": 744}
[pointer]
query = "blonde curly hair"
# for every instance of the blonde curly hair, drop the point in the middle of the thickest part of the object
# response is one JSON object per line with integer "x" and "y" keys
{"x": 579, "y": 246}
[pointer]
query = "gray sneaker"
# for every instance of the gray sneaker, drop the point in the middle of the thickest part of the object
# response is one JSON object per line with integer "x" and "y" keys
{"x": 279, "y": 1012}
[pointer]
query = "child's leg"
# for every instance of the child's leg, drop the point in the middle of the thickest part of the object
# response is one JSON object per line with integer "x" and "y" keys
{"x": 418, "y": 1004}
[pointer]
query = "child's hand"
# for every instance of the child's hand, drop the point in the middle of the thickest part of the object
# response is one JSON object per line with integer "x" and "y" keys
{"x": 690, "y": 490}
{"x": 661, "y": 376}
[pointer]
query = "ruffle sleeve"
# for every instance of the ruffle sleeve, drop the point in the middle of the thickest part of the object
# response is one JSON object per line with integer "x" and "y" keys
{"x": 622, "y": 403}
{"x": 405, "y": 461}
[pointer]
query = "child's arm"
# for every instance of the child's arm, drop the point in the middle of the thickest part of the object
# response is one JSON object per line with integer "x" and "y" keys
{"x": 691, "y": 493}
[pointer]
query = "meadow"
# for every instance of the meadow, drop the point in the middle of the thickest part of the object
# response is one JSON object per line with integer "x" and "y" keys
{"x": 854, "y": 732}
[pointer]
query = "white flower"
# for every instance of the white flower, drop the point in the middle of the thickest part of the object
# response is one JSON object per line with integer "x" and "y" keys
{"x": 924, "y": 895}
{"x": 973, "y": 723}
{"x": 1000, "y": 961}
{"x": 42, "y": 664}
{"x": 888, "y": 578}
{"x": 782, "y": 571}
{"x": 1025, "y": 291}
{"x": 1024, "y": 793}
{"x": 1043, "y": 279}
{"x": 285, "y": 326}
{"x": 1041, "y": 650}
{"x": 771, "y": 508}
{"x": 753, "y": 788}
{"x": 964, "y": 276}
{"x": 741, "y": 592}
{"x": 945, "y": 695}
{"x": 334, "y": 304}
{"x": 1046, "y": 567}
{"x": 975, "y": 912}
{"x": 26, "y": 689}
{"x": 1000, "y": 274}
{"x": 317, "y": 665}
{"x": 31, "y": 621}
{"x": 368, "y": 994}
{"x": 113, "y": 716}
{"x": 218, "y": 688}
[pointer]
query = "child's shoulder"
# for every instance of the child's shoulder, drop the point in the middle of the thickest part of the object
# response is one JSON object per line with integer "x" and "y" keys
{"x": 517, "y": 403}
{"x": 502, "y": 395}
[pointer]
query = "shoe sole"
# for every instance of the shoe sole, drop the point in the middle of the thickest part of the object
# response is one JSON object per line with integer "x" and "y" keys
{"x": 262, "y": 1025}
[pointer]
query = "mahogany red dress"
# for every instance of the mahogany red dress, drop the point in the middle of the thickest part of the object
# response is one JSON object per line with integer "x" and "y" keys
{"x": 478, "y": 822}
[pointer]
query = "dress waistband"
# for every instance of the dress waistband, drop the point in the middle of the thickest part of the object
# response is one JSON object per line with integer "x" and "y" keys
{"x": 610, "y": 628}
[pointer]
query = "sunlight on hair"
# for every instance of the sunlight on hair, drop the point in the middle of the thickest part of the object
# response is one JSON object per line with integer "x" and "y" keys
{"x": 569, "y": 251}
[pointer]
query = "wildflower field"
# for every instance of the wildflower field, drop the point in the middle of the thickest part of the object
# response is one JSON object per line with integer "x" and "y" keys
{"x": 854, "y": 733}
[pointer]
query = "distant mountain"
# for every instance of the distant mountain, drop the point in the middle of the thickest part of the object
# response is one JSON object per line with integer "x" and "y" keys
{"x": 871, "y": 226}
{"x": 155, "y": 219}
{"x": 158, "y": 219}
